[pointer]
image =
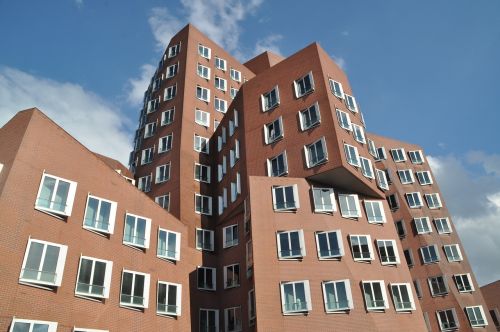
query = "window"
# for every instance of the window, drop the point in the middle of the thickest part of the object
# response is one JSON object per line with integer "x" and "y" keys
{"x": 463, "y": 282}
{"x": 429, "y": 254}
{"x": 134, "y": 289}
{"x": 361, "y": 247}
{"x": 153, "y": 105}
{"x": 136, "y": 231}
{"x": 206, "y": 278}
{"x": 366, "y": 167}
{"x": 382, "y": 180}
{"x": 337, "y": 295}
{"x": 232, "y": 318}
{"x": 251, "y": 307}
{"x": 167, "y": 117}
{"x": 235, "y": 75}
{"x": 233, "y": 92}
{"x": 202, "y": 118}
{"x": 422, "y": 225}
{"x": 375, "y": 212}
{"x": 220, "y": 63}
{"x": 144, "y": 183}
{"x": 202, "y": 173}
{"x": 163, "y": 201}
{"x": 156, "y": 85}
{"x": 393, "y": 201}
{"x": 100, "y": 215}
{"x": 351, "y": 154}
{"x": 309, "y": 117}
{"x": 285, "y": 197}
{"x": 230, "y": 236}
{"x": 43, "y": 263}
{"x": 443, "y": 225}
{"x": 204, "y": 72}
{"x": 350, "y": 102}
{"x": 408, "y": 257}
{"x": 433, "y": 201}
{"x": 172, "y": 70}
{"x": 209, "y": 320}
{"x": 231, "y": 276}
{"x": 55, "y": 195}
{"x": 149, "y": 129}
{"x": 204, "y": 51}
{"x": 324, "y": 199}
{"x": 29, "y": 325}
{"x": 424, "y": 178}
{"x": 398, "y": 155}
{"x": 316, "y": 153}
{"x": 169, "y": 245}
{"x": 400, "y": 228}
{"x": 162, "y": 173}
{"x": 418, "y": 288}
{"x": 216, "y": 124}
{"x": 388, "y": 252}
{"x": 349, "y": 206}
{"x": 273, "y": 131}
{"x": 476, "y": 316}
{"x": 220, "y": 105}
{"x": 220, "y": 83}
{"x": 204, "y": 239}
{"x": 291, "y": 244}
{"x": 249, "y": 255}
{"x": 359, "y": 134}
{"x": 278, "y": 165}
{"x": 447, "y": 319}
{"x": 295, "y": 297}
{"x": 329, "y": 244}
{"x": 495, "y": 316}
{"x": 381, "y": 155}
{"x": 170, "y": 92}
{"x": 336, "y": 88}
{"x": 231, "y": 128}
{"x": 416, "y": 157}
{"x": 304, "y": 85}
{"x": 414, "y": 200}
{"x": 147, "y": 156}
{"x": 406, "y": 176}
{"x": 201, "y": 144}
{"x": 372, "y": 149}
{"x": 174, "y": 50}
{"x": 203, "y": 93}
{"x": 165, "y": 143}
{"x": 94, "y": 277}
{"x": 375, "y": 296}
{"x": 453, "y": 253}
{"x": 270, "y": 99}
{"x": 402, "y": 297}
{"x": 344, "y": 120}
{"x": 169, "y": 299}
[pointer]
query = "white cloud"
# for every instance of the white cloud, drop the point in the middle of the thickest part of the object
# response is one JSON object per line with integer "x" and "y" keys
{"x": 269, "y": 43}
{"x": 163, "y": 25}
{"x": 87, "y": 117}
{"x": 136, "y": 87}
{"x": 79, "y": 3}
{"x": 340, "y": 61}
{"x": 473, "y": 199}
{"x": 345, "y": 33}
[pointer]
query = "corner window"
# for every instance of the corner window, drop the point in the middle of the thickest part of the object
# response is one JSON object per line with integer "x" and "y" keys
{"x": 388, "y": 252}
{"x": 291, "y": 244}
{"x": 56, "y": 195}
{"x": 351, "y": 154}
{"x": 414, "y": 200}
{"x": 100, "y": 215}
{"x": 167, "y": 117}
{"x": 162, "y": 173}
{"x": 337, "y": 295}
{"x": 398, "y": 155}
{"x": 174, "y": 50}
{"x": 204, "y": 51}
{"x": 453, "y": 253}
{"x": 220, "y": 63}
{"x": 204, "y": 239}
{"x": 203, "y": 93}
{"x": 443, "y": 225}
{"x": 329, "y": 244}
{"x": 134, "y": 289}
{"x": 336, "y": 88}
{"x": 349, "y": 206}
{"x": 201, "y": 144}
{"x": 429, "y": 254}
{"x": 463, "y": 282}
{"x": 295, "y": 297}
{"x": 344, "y": 120}
{"x": 163, "y": 201}
{"x": 424, "y": 178}
{"x": 220, "y": 83}
{"x": 433, "y": 201}
{"x": 230, "y": 236}
{"x": 285, "y": 198}
{"x": 169, "y": 298}
{"x": 366, "y": 167}
{"x": 29, "y": 325}
{"x": 232, "y": 319}
{"x": 203, "y": 72}
{"x": 350, "y": 102}
{"x": 375, "y": 212}
{"x": 316, "y": 153}
{"x": 170, "y": 92}
{"x": 361, "y": 247}
{"x": 165, "y": 143}
{"x": 235, "y": 75}
{"x": 476, "y": 316}
{"x": 209, "y": 320}
{"x": 169, "y": 245}
{"x": 277, "y": 166}
{"x": 422, "y": 225}
{"x": 273, "y": 131}
{"x": 270, "y": 99}
{"x": 447, "y": 319}
{"x": 402, "y": 297}
{"x": 206, "y": 278}
{"x": 231, "y": 276}
{"x": 202, "y": 173}
{"x": 136, "y": 231}
{"x": 304, "y": 85}
{"x": 94, "y": 278}
{"x": 324, "y": 199}
{"x": 374, "y": 294}
{"x": 309, "y": 117}
{"x": 416, "y": 157}
{"x": 202, "y": 118}
{"x": 406, "y": 176}
{"x": 359, "y": 134}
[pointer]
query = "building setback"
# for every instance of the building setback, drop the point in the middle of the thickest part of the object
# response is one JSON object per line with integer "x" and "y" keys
{"x": 491, "y": 293}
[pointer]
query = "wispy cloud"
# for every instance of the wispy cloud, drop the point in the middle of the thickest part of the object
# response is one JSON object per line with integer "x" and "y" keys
{"x": 135, "y": 87}
{"x": 345, "y": 33}
{"x": 79, "y": 3}
{"x": 98, "y": 125}
{"x": 340, "y": 61}
{"x": 269, "y": 43}
{"x": 163, "y": 25}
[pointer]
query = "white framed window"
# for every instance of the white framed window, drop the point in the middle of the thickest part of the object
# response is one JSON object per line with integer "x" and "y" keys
{"x": 156, "y": 84}
{"x": 304, "y": 85}
{"x": 438, "y": 285}
{"x": 416, "y": 157}
{"x": 100, "y": 215}
{"x": 316, "y": 153}
{"x": 277, "y": 166}
{"x": 393, "y": 201}
{"x": 375, "y": 295}
{"x": 231, "y": 276}
{"x": 447, "y": 319}
{"x": 408, "y": 257}
{"x": 273, "y": 131}
{"x": 350, "y": 102}
{"x": 453, "y": 253}
{"x": 463, "y": 282}
{"x": 201, "y": 144}
{"x": 336, "y": 88}
{"x": 172, "y": 70}
{"x": 361, "y": 247}
{"x": 233, "y": 92}
{"x": 429, "y": 254}
{"x": 398, "y": 155}
{"x": 55, "y": 195}
{"x": 169, "y": 245}
{"x": 163, "y": 201}
{"x": 402, "y": 297}
{"x": 324, "y": 199}
{"x": 170, "y": 92}
{"x": 137, "y": 231}
{"x": 204, "y": 51}
{"x": 30, "y": 325}
{"x": 476, "y": 316}
{"x": 381, "y": 155}
{"x": 147, "y": 156}
{"x": 349, "y": 206}
{"x": 144, "y": 183}
{"x": 291, "y": 244}
{"x": 206, "y": 278}
{"x": 285, "y": 198}
{"x": 162, "y": 173}
{"x": 382, "y": 182}
{"x": 235, "y": 75}
{"x": 375, "y": 212}
{"x": 329, "y": 244}
{"x": 94, "y": 277}
{"x": 134, "y": 289}
{"x": 337, "y": 295}
{"x": 414, "y": 200}
{"x": 433, "y": 201}
{"x": 220, "y": 105}
{"x": 232, "y": 319}
{"x": 167, "y": 117}
{"x": 205, "y": 239}
{"x": 230, "y": 236}
{"x": 168, "y": 298}
{"x": 424, "y": 178}
{"x": 220, "y": 83}
{"x": 388, "y": 252}
{"x": 203, "y": 71}
{"x": 351, "y": 154}
{"x": 295, "y": 297}
{"x": 220, "y": 63}
{"x": 209, "y": 320}
{"x": 202, "y": 173}
{"x": 400, "y": 228}
{"x": 310, "y": 117}
{"x": 372, "y": 149}
{"x": 344, "y": 119}
{"x": 366, "y": 167}
{"x": 443, "y": 225}
{"x": 202, "y": 118}
{"x": 406, "y": 176}
{"x": 359, "y": 133}
{"x": 174, "y": 50}
{"x": 43, "y": 263}
{"x": 422, "y": 225}
{"x": 149, "y": 129}
{"x": 203, "y": 93}
{"x": 270, "y": 100}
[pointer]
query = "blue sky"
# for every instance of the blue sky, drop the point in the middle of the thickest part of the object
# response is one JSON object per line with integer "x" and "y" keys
{"x": 425, "y": 72}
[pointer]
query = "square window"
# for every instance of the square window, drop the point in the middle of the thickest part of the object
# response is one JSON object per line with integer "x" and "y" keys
{"x": 167, "y": 117}
{"x": 270, "y": 99}
{"x": 295, "y": 297}
{"x": 220, "y": 83}
{"x": 361, "y": 247}
{"x": 204, "y": 239}
{"x": 203, "y": 72}
{"x": 144, "y": 183}
{"x": 206, "y": 278}
{"x": 56, "y": 195}
{"x": 134, "y": 289}
{"x": 429, "y": 254}
{"x": 381, "y": 155}
{"x": 402, "y": 297}
{"x": 304, "y": 85}
{"x": 393, "y": 201}
{"x": 453, "y": 253}
{"x": 324, "y": 199}
{"x": 329, "y": 244}
{"x": 29, "y": 325}
{"x": 398, "y": 155}
{"x": 344, "y": 119}
{"x": 350, "y": 102}
{"x": 220, "y": 105}
{"x": 174, "y": 50}
{"x": 232, "y": 319}
{"x": 424, "y": 178}
{"x": 375, "y": 296}
{"x": 137, "y": 231}
{"x": 422, "y": 225}
{"x": 416, "y": 157}
{"x": 169, "y": 245}
{"x": 277, "y": 166}
{"x": 209, "y": 320}
{"x": 273, "y": 131}
{"x": 202, "y": 173}
{"x": 359, "y": 134}
{"x": 165, "y": 143}
{"x": 447, "y": 319}
{"x": 351, "y": 154}
{"x": 204, "y": 51}
{"x": 220, "y": 63}
{"x": 336, "y": 88}
{"x": 438, "y": 285}
{"x": 162, "y": 173}
{"x": 169, "y": 299}
{"x": 309, "y": 117}
{"x": 149, "y": 129}
{"x": 94, "y": 278}
{"x": 476, "y": 316}
{"x": 170, "y": 93}
{"x": 366, "y": 167}
{"x": 433, "y": 201}
{"x": 406, "y": 176}
{"x": 349, "y": 206}
{"x": 375, "y": 212}
{"x": 463, "y": 282}
{"x": 291, "y": 244}
{"x": 172, "y": 70}
{"x": 316, "y": 153}
{"x": 163, "y": 201}
{"x": 153, "y": 105}
{"x": 388, "y": 252}
{"x": 147, "y": 156}
{"x": 337, "y": 295}
{"x": 414, "y": 200}
{"x": 100, "y": 215}
{"x": 202, "y": 118}
{"x": 201, "y": 144}
{"x": 203, "y": 93}
{"x": 443, "y": 225}
{"x": 235, "y": 75}
{"x": 231, "y": 276}
{"x": 285, "y": 198}
{"x": 230, "y": 236}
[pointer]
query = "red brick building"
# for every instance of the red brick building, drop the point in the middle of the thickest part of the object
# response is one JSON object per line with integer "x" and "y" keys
{"x": 491, "y": 293}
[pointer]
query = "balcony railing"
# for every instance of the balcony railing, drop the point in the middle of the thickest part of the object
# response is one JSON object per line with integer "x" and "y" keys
{"x": 89, "y": 289}
{"x": 132, "y": 300}
{"x": 39, "y": 275}
{"x": 295, "y": 306}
